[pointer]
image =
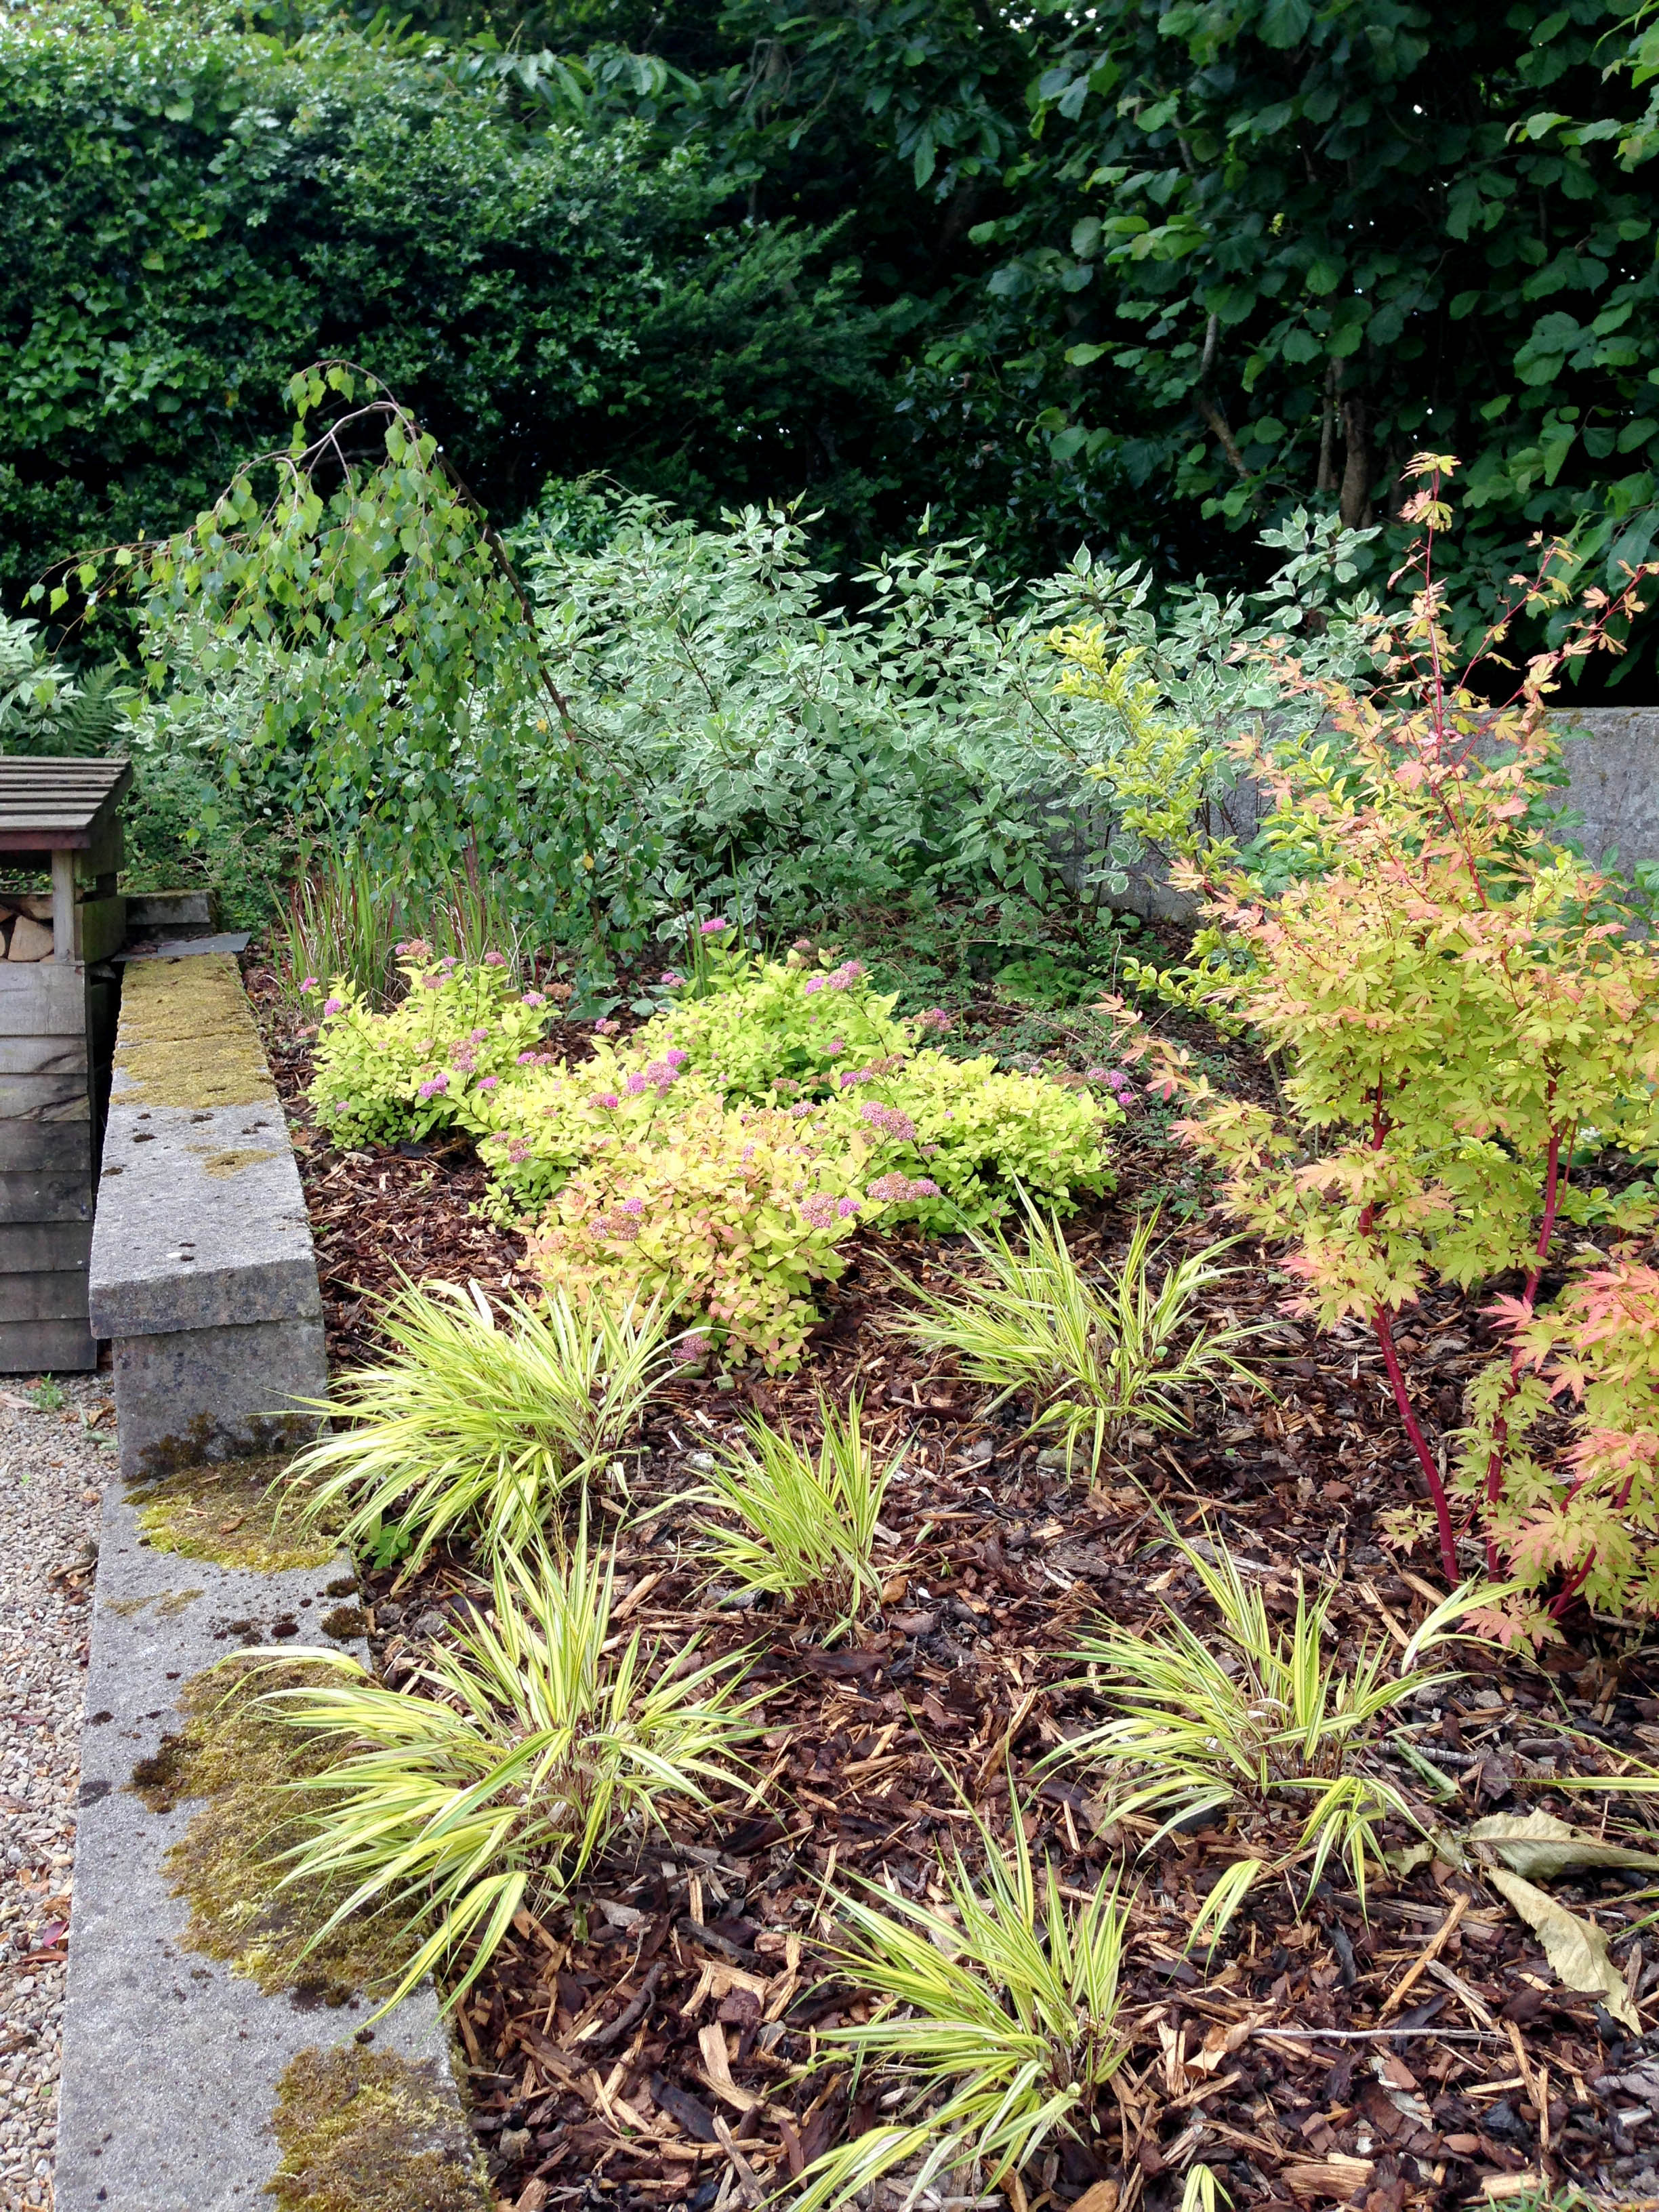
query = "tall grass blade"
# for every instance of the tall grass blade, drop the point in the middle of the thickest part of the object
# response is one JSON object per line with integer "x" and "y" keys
{"x": 476, "y": 1423}
{"x": 528, "y": 1754}
{"x": 805, "y": 1528}
{"x": 1095, "y": 1358}
{"x": 995, "y": 2016}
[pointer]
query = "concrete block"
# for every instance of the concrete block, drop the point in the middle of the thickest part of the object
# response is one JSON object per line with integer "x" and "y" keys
{"x": 201, "y": 1275}
{"x": 199, "y": 1393}
{"x": 171, "y": 2062}
{"x": 173, "y": 914}
{"x": 200, "y": 1221}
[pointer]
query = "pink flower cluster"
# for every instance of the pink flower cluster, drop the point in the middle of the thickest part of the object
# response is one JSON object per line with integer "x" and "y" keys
{"x": 934, "y": 1017}
{"x": 533, "y": 998}
{"x": 838, "y": 979}
{"x": 434, "y": 1089}
{"x": 607, "y": 1028}
{"x": 333, "y": 1006}
{"x": 899, "y": 1189}
{"x": 1121, "y": 1086}
{"x": 689, "y": 1348}
{"x": 822, "y": 1210}
{"x": 672, "y": 978}
{"x": 850, "y": 1076}
{"x": 889, "y": 1121}
{"x": 308, "y": 986}
{"x": 713, "y": 929}
{"x": 494, "y": 960}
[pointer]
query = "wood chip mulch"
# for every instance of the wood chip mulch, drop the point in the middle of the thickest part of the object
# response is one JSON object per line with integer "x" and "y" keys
{"x": 656, "y": 2042}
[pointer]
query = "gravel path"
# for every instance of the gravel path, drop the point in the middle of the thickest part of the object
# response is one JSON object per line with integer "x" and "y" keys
{"x": 52, "y": 1466}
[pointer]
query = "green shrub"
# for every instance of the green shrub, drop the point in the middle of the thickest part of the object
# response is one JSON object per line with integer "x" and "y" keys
{"x": 974, "y": 1134}
{"x": 546, "y": 1121}
{"x": 731, "y": 1216}
{"x": 759, "y": 1027}
{"x": 779, "y": 1032}
{"x": 437, "y": 1060}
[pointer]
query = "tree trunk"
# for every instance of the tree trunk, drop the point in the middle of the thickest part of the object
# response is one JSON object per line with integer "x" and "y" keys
{"x": 1356, "y": 498}
{"x": 1325, "y": 482}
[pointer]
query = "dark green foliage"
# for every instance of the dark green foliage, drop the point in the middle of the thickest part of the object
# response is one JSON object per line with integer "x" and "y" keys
{"x": 190, "y": 213}
{"x": 1147, "y": 275}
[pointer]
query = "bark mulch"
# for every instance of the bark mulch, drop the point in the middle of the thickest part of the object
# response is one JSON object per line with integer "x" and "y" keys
{"x": 656, "y": 2043}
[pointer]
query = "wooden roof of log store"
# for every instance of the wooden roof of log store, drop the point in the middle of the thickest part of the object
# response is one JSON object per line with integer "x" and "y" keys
{"x": 52, "y": 805}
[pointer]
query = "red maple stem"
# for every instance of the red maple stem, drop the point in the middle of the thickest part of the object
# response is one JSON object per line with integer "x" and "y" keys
{"x": 1552, "y": 1201}
{"x": 1540, "y": 1253}
{"x": 1425, "y": 1459}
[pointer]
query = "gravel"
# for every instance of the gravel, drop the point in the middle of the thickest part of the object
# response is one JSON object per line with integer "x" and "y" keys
{"x": 53, "y": 1464}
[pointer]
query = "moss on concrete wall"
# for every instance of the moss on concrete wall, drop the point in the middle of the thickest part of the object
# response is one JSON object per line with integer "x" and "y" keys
{"x": 226, "y": 1512}
{"x": 241, "y": 1757}
{"x": 367, "y": 2132}
{"x": 188, "y": 1037}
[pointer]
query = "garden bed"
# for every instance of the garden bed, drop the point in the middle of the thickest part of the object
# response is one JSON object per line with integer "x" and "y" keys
{"x": 646, "y": 2046}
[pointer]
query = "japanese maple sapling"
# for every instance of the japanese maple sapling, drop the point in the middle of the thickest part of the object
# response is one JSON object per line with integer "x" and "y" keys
{"x": 1454, "y": 999}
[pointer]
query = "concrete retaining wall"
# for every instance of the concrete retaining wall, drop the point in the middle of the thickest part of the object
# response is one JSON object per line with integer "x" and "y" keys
{"x": 1612, "y": 757}
{"x": 202, "y": 1274}
{"x": 171, "y": 2061}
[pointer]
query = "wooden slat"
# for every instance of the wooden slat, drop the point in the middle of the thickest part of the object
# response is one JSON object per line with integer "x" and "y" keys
{"x": 43, "y": 1055}
{"x": 36, "y": 1195}
{"x": 42, "y": 998}
{"x": 58, "y": 1296}
{"x": 58, "y": 805}
{"x": 100, "y": 929}
{"x": 32, "y": 1099}
{"x": 63, "y": 1146}
{"x": 47, "y": 1348}
{"x": 35, "y": 1248}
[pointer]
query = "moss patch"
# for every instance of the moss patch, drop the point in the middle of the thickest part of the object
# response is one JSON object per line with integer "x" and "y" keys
{"x": 363, "y": 2132}
{"x": 223, "y": 1512}
{"x": 237, "y": 1753}
{"x": 188, "y": 1037}
{"x": 202, "y": 1445}
{"x": 168, "y": 1604}
{"x": 222, "y": 1165}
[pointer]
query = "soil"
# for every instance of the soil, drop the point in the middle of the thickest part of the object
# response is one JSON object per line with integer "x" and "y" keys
{"x": 657, "y": 2043}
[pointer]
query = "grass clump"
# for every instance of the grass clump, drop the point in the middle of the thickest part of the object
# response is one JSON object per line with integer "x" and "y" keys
{"x": 478, "y": 1423}
{"x": 806, "y": 1528}
{"x": 1095, "y": 1359}
{"x": 994, "y": 2017}
{"x": 223, "y": 1512}
{"x": 370, "y": 2132}
{"x": 533, "y": 1752}
{"x": 231, "y": 1864}
{"x": 1265, "y": 1728}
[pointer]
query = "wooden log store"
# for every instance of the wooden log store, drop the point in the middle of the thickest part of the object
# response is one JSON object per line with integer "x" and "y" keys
{"x": 57, "y": 1010}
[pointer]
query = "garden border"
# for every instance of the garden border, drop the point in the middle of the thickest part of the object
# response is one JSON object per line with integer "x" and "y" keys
{"x": 203, "y": 1272}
